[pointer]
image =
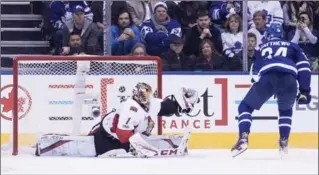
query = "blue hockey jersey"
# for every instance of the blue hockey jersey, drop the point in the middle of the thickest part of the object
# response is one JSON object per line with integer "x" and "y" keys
{"x": 62, "y": 10}
{"x": 218, "y": 10}
{"x": 157, "y": 38}
{"x": 284, "y": 56}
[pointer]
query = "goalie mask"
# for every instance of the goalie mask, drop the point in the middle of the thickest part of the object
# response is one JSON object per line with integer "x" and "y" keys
{"x": 142, "y": 94}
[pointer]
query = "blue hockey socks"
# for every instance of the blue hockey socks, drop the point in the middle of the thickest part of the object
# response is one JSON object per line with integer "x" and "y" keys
{"x": 244, "y": 117}
{"x": 284, "y": 123}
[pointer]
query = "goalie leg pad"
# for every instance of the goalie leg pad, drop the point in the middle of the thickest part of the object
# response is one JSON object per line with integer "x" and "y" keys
{"x": 142, "y": 147}
{"x": 164, "y": 142}
{"x": 153, "y": 146}
{"x": 55, "y": 145}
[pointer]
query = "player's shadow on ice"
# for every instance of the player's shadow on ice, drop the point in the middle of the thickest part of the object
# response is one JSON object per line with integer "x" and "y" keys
{"x": 261, "y": 157}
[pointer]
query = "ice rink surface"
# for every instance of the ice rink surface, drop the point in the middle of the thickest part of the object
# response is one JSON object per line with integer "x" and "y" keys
{"x": 298, "y": 161}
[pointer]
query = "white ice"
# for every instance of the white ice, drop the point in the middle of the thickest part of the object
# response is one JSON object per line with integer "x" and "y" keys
{"x": 298, "y": 161}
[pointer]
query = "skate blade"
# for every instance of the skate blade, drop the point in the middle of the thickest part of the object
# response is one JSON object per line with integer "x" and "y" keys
{"x": 236, "y": 153}
{"x": 283, "y": 153}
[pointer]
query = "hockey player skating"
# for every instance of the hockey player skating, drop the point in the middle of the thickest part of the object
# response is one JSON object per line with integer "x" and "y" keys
{"x": 280, "y": 65}
{"x": 128, "y": 132}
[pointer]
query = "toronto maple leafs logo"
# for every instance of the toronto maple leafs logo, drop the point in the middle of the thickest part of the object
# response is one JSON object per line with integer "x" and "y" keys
{"x": 24, "y": 102}
{"x": 238, "y": 47}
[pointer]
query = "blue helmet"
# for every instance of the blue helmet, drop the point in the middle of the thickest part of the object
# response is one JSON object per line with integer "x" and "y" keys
{"x": 274, "y": 30}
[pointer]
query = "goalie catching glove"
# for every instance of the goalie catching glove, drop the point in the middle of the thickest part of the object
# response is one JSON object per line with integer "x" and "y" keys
{"x": 130, "y": 127}
{"x": 186, "y": 99}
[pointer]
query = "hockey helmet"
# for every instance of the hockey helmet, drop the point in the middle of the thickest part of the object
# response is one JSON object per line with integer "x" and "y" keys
{"x": 275, "y": 30}
{"x": 142, "y": 93}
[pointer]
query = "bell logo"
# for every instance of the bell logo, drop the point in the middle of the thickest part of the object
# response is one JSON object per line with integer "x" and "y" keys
{"x": 6, "y": 102}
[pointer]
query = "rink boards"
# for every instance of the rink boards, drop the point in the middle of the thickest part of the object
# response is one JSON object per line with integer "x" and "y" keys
{"x": 46, "y": 101}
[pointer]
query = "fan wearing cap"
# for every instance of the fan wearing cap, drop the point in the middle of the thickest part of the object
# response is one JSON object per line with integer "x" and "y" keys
{"x": 59, "y": 13}
{"x": 84, "y": 26}
{"x": 157, "y": 31}
{"x": 175, "y": 59}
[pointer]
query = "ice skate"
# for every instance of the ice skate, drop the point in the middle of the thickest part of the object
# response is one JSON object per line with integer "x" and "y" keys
{"x": 283, "y": 146}
{"x": 241, "y": 145}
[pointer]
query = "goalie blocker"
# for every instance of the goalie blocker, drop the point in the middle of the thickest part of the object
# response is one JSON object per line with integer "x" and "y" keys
{"x": 127, "y": 133}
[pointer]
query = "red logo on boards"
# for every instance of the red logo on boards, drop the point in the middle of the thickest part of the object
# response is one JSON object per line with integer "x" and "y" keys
{"x": 6, "y": 102}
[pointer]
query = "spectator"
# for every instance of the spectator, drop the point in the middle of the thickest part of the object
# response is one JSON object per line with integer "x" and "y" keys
{"x": 157, "y": 32}
{"x": 291, "y": 10}
{"x": 125, "y": 34}
{"x": 61, "y": 12}
{"x": 203, "y": 30}
{"x": 116, "y": 7}
{"x": 233, "y": 36}
{"x": 174, "y": 59}
{"x": 75, "y": 44}
{"x": 83, "y": 26}
{"x": 220, "y": 10}
{"x": 97, "y": 10}
{"x": 252, "y": 54}
{"x": 138, "y": 50}
{"x": 186, "y": 13}
{"x": 272, "y": 10}
{"x": 171, "y": 8}
{"x": 209, "y": 59}
{"x": 58, "y": 13}
{"x": 141, "y": 11}
{"x": 306, "y": 36}
{"x": 260, "y": 27}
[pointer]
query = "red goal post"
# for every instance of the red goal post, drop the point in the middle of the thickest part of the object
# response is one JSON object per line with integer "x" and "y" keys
{"x": 49, "y": 82}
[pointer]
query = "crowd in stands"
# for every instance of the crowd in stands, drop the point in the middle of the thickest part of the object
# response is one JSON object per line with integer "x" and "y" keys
{"x": 186, "y": 35}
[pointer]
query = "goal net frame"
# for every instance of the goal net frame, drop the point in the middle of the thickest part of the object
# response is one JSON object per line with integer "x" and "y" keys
{"x": 30, "y": 58}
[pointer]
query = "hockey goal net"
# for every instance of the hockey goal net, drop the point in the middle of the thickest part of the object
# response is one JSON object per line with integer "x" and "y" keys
{"x": 44, "y": 91}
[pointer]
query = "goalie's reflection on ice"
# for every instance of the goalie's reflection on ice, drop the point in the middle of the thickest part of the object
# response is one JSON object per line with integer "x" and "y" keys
{"x": 127, "y": 132}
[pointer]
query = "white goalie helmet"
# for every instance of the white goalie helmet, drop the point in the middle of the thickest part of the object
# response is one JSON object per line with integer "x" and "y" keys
{"x": 142, "y": 93}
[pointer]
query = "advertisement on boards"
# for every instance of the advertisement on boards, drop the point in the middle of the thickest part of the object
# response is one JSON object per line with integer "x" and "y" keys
{"x": 47, "y": 106}
{"x": 219, "y": 100}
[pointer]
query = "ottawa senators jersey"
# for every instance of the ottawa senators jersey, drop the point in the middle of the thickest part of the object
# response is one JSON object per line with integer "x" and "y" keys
{"x": 132, "y": 118}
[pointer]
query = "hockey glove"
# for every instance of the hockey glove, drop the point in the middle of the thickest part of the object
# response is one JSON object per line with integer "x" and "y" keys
{"x": 187, "y": 100}
{"x": 303, "y": 98}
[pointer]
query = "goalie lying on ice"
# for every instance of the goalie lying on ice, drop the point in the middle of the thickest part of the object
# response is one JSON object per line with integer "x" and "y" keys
{"x": 128, "y": 131}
